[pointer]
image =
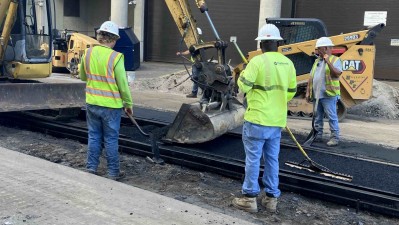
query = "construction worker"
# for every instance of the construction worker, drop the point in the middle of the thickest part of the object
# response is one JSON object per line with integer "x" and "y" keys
{"x": 269, "y": 82}
{"x": 107, "y": 93}
{"x": 323, "y": 89}
{"x": 194, "y": 70}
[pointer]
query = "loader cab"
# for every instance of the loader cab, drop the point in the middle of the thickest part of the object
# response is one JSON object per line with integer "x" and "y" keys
{"x": 31, "y": 35}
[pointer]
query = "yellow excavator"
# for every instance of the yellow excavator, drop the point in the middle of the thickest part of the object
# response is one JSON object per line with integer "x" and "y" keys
{"x": 25, "y": 60}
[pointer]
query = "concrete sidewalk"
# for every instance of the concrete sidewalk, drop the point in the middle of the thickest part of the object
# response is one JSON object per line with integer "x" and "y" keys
{"x": 35, "y": 191}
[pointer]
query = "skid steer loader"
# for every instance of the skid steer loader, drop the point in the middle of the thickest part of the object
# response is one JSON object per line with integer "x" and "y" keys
{"x": 69, "y": 48}
{"x": 355, "y": 49}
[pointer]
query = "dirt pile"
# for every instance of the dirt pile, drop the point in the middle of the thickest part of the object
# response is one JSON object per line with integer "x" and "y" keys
{"x": 383, "y": 104}
{"x": 174, "y": 83}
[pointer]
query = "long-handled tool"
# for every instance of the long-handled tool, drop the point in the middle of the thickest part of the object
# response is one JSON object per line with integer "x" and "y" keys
{"x": 312, "y": 165}
{"x": 314, "y": 132}
{"x": 154, "y": 138}
{"x": 136, "y": 124}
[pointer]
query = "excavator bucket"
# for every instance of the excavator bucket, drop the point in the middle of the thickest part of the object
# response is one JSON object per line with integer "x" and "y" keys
{"x": 192, "y": 125}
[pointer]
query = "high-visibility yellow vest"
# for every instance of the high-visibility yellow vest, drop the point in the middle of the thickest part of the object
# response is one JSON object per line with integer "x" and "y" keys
{"x": 101, "y": 86}
{"x": 269, "y": 80}
{"x": 332, "y": 83}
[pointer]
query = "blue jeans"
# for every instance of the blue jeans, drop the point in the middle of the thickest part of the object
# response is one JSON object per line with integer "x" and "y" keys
{"x": 327, "y": 106}
{"x": 261, "y": 140}
{"x": 103, "y": 124}
{"x": 195, "y": 77}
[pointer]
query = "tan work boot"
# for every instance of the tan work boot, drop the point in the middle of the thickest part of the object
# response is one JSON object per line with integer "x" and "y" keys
{"x": 246, "y": 203}
{"x": 332, "y": 142}
{"x": 270, "y": 204}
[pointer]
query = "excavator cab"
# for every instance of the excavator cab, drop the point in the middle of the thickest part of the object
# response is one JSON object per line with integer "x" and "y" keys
{"x": 25, "y": 60}
{"x": 29, "y": 47}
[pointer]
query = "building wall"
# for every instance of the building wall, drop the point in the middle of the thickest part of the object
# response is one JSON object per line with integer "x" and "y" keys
{"x": 98, "y": 11}
{"x": 92, "y": 14}
{"x": 350, "y": 19}
{"x": 231, "y": 18}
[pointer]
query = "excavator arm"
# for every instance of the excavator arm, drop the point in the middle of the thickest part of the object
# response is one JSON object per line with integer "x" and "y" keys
{"x": 218, "y": 111}
{"x": 8, "y": 11}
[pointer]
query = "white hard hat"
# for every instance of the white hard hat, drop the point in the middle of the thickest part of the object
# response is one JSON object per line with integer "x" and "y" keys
{"x": 199, "y": 31}
{"x": 324, "y": 42}
{"x": 269, "y": 32}
{"x": 110, "y": 27}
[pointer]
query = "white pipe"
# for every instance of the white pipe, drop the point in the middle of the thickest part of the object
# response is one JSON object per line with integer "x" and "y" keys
{"x": 119, "y": 12}
{"x": 268, "y": 9}
{"x": 139, "y": 10}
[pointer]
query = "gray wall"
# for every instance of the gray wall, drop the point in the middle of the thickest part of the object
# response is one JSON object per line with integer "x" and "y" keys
{"x": 92, "y": 14}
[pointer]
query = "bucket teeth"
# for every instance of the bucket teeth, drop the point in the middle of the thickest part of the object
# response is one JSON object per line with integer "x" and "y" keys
{"x": 319, "y": 169}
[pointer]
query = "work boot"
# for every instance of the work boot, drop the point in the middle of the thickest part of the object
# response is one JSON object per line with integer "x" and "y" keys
{"x": 319, "y": 138}
{"x": 192, "y": 95}
{"x": 121, "y": 175}
{"x": 92, "y": 171}
{"x": 269, "y": 203}
{"x": 246, "y": 203}
{"x": 332, "y": 142}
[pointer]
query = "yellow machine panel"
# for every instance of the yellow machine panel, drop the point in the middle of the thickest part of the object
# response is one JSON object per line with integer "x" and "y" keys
{"x": 23, "y": 70}
{"x": 357, "y": 71}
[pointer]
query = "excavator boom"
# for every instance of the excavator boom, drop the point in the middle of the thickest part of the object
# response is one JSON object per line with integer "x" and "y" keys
{"x": 218, "y": 111}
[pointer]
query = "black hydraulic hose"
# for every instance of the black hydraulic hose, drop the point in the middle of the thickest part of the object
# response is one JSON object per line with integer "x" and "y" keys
{"x": 184, "y": 62}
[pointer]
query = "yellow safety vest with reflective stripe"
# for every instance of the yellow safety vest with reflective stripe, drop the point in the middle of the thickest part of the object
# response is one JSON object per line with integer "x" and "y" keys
{"x": 101, "y": 86}
{"x": 332, "y": 83}
{"x": 269, "y": 81}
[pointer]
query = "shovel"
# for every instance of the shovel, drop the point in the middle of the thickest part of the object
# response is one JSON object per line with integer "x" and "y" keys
{"x": 154, "y": 145}
{"x": 136, "y": 124}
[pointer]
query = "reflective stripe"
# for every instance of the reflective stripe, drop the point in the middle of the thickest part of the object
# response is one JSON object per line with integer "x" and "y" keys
{"x": 274, "y": 87}
{"x": 101, "y": 78}
{"x": 332, "y": 88}
{"x": 246, "y": 82}
{"x": 87, "y": 63}
{"x": 111, "y": 60}
{"x": 110, "y": 94}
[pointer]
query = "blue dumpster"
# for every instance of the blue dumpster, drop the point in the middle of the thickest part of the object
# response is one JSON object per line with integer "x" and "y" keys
{"x": 129, "y": 45}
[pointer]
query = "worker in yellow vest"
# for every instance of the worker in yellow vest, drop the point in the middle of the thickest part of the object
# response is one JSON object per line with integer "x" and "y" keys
{"x": 107, "y": 93}
{"x": 269, "y": 81}
{"x": 323, "y": 88}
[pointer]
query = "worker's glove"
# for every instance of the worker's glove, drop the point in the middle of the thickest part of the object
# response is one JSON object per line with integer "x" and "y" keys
{"x": 129, "y": 110}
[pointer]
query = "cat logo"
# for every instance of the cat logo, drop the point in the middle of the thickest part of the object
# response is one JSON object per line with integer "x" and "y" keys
{"x": 355, "y": 66}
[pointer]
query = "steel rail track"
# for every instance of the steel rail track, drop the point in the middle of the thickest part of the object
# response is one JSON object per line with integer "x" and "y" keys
{"x": 358, "y": 197}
